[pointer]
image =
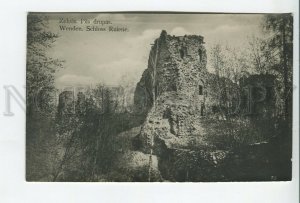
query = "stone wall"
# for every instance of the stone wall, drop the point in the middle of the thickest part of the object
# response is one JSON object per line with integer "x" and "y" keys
{"x": 176, "y": 80}
{"x": 193, "y": 117}
{"x": 175, "y": 64}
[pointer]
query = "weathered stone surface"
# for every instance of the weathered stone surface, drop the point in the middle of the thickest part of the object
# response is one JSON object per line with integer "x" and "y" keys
{"x": 130, "y": 164}
{"x": 175, "y": 64}
{"x": 184, "y": 104}
{"x": 173, "y": 90}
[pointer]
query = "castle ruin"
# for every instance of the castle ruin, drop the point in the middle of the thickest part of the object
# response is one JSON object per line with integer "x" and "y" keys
{"x": 184, "y": 104}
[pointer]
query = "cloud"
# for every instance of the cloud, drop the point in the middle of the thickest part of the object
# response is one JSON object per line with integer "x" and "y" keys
{"x": 148, "y": 35}
{"x": 71, "y": 79}
{"x": 104, "y": 57}
{"x": 112, "y": 73}
{"x": 179, "y": 31}
{"x": 143, "y": 41}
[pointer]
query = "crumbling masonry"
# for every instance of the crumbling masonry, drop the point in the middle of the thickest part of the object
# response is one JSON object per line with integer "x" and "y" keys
{"x": 176, "y": 90}
{"x": 182, "y": 103}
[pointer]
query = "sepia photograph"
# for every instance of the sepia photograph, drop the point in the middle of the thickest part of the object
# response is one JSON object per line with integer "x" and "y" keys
{"x": 159, "y": 97}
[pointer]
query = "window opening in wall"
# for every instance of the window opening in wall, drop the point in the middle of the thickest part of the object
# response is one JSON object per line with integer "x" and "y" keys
{"x": 200, "y": 90}
{"x": 181, "y": 53}
{"x": 202, "y": 110}
{"x": 200, "y": 54}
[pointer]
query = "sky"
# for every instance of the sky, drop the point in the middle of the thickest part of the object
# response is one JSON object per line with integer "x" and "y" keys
{"x": 113, "y": 58}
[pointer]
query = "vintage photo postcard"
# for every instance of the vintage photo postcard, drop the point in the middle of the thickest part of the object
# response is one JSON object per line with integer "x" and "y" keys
{"x": 159, "y": 97}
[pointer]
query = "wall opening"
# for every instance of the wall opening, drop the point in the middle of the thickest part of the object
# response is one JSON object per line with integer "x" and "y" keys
{"x": 202, "y": 109}
{"x": 200, "y": 54}
{"x": 200, "y": 90}
{"x": 181, "y": 53}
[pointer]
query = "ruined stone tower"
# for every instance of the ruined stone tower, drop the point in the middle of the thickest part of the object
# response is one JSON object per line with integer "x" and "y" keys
{"x": 187, "y": 109}
{"x": 172, "y": 91}
{"x": 176, "y": 64}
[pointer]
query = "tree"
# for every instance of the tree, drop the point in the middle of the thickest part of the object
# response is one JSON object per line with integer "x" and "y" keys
{"x": 279, "y": 47}
{"x": 41, "y": 151}
{"x": 40, "y": 66}
{"x": 217, "y": 59}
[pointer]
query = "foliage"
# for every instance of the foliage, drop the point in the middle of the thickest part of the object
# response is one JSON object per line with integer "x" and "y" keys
{"x": 273, "y": 54}
{"x": 89, "y": 133}
{"x": 41, "y": 152}
{"x": 79, "y": 140}
{"x": 40, "y": 66}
